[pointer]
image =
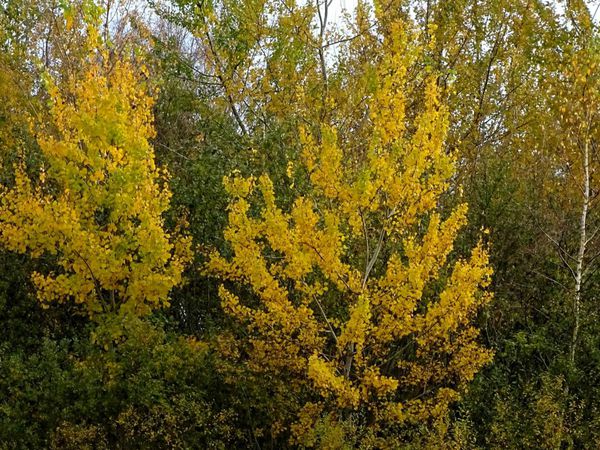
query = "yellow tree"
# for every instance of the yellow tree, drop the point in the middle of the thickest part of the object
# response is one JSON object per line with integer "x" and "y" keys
{"x": 572, "y": 150}
{"x": 96, "y": 206}
{"x": 349, "y": 292}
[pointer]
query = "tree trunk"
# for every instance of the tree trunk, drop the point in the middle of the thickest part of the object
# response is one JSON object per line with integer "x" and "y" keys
{"x": 581, "y": 252}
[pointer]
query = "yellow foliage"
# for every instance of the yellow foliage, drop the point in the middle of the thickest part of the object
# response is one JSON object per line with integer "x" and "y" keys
{"x": 351, "y": 288}
{"x": 99, "y": 205}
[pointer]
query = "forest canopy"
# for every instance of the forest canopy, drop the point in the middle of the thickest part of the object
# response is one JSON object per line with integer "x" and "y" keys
{"x": 293, "y": 224}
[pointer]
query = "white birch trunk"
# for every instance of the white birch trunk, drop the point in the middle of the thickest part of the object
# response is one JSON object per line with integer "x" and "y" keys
{"x": 580, "y": 268}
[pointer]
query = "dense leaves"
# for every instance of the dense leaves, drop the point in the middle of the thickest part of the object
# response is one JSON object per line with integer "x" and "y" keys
{"x": 265, "y": 224}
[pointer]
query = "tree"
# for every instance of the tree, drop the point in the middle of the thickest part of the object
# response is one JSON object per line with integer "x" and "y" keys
{"x": 95, "y": 208}
{"x": 349, "y": 295}
{"x": 575, "y": 160}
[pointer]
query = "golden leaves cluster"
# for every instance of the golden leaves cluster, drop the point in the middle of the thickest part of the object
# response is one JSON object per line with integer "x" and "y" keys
{"x": 350, "y": 288}
{"x": 98, "y": 207}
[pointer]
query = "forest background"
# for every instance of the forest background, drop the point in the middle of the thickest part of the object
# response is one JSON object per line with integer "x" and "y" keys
{"x": 279, "y": 224}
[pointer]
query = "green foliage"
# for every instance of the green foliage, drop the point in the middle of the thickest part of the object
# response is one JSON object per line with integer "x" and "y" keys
{"x": 236, "y": 80}
{"x": 148, "y": 390}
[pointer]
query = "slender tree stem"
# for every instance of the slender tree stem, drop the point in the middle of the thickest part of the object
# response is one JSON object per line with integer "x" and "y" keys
{"x": 579, "y": 270}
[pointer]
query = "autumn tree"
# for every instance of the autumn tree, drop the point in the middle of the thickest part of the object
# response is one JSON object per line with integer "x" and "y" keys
{"x": 574, "y": 104}
{"x": 350, "y": 293}
{"x": 95, "y": 207}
